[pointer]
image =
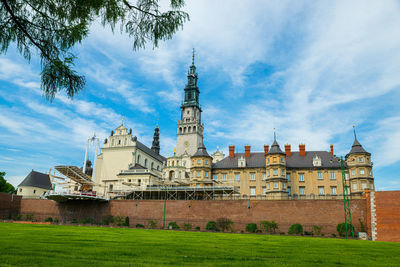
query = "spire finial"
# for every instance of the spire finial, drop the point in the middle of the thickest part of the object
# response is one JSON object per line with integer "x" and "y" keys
{"x": 122, "y": 121}
{"x": 274, "y": 135}
{"x": 193, "y": 56}
{"x": 354, "y": 130}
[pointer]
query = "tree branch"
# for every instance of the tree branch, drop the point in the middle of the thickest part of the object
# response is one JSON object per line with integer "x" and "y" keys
{"x": 141, "y": 10}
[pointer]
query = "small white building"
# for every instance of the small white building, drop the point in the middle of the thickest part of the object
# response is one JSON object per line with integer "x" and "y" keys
{"x": 34, "y": 185}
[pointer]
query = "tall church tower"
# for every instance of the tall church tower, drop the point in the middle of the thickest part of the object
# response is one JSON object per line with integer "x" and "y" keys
{"x": 190, "y": 129}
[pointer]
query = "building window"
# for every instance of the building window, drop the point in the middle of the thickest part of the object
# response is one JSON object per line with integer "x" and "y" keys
{"x": 360, "y": 159}
{"x": 275, "y": 185}
{"x": 347, "y": 176}
{"x": 199, "y": 161}
{"x": 332, "y": 176}
{"x": 224, "y": 177}
{"x": 268, "y": 160}
{"x": 76, "y": 188}
{"x": 370, "y": 173}
{"x": 237, "y": 177}
{"x": 206, "y": 174}
{"x": 264, "y": 190}
{"x": 319, "y": 175}
{"x": 139, "y": 182}
{"x": 34, "y": 191}
{"x": 138, "y": 159}
{"x": 252, "y": 191}
{"x": 362, "y": 171}
{"x": 119, "y": 142}
{"x": 268, "y": 186}
{"x": 129, "y": 180}
{"x": 354, "y": 186}
{"x": 284, "y": 186}
{"x": 20, "y": 190}
{"x": 264, "y": 176}
{"x": 321, "y": 190}
{"x": 288, "y": 176}
{"x": 302, "y": 190}
{"x": 301, "y": 177}
{"x": 333, "y": 190}
{"x": 353, "y": 173}
{"x": 215, "y": 177}
{"x": 289, "y": 190}
{"x": 252, "y": 177}
{"x": 111, "y": 187}
{"x": 283, "y": 172}
{"x": 275, "y": 172}
{"x": 372, "y": 186}
{"x": 364, "y": 185}
{"x": 206, "y": 162}
{"x": 282, "y": 160}
{"x": 152, "y": 165}
{"x": 198, "y": 174}
{"x": 268, "y": 173}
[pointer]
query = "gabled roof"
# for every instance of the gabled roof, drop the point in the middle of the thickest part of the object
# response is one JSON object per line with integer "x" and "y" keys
{"x": 144, "y": 148}
{"x": 37, "y": 179}
{"x": 257, "y": 160}
{"x": 357, "y": 148}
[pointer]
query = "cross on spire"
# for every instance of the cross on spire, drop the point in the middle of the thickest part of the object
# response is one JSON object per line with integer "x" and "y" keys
{"x": 122, "y": 121}
{"x": 193, "y": 56}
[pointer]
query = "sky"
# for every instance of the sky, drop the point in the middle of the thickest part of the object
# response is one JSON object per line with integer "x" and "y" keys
{"x": 309, "y": 69}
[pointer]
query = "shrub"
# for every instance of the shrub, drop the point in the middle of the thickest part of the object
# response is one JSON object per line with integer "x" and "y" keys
{"x": 211, "y": 226}
{"x": 224, "y": 224}
{"x": 152, "y": 224}
{"x": 56, "y": 220}
{"x": 173, "y": 225}
{"x": 187, "y": 226}
{"x": 341, "y": 229}
{"x": 9, "y": 216}
{"x": 29, "y": 217}
{"x": 74, "y": 221}
{"x": 282, "y": 233}
{"x": 308, "y": 233}
{"x": 295, "y": 229}
{"x": 251, "y": 227}
{"x": 87, "y": 221}
{"x": 317, "y": 229}
{"x": 118, "y": 221}
{"x": 333, "y": 235}
{"x": 126, "y": 221}
{"x": 107, "y": 219}
{"x": 139, "y": 225}
{"x": 269, "y": 226}
{"x": 48, "y": 219}
{"x": 18, "y": 217}
{"x": 197, "y": 228}
{"x": 362, "y": 226}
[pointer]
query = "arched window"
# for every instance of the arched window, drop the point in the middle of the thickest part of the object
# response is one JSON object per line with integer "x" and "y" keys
{"x": 180, "y": 129}
{"x": 158, "y": 167}
{"x": 194, "y": 128}
{"x": 152, "y": 165}
{"x": 184, "y": 129}
{"x": 173, "y": 163}
{"x": 145, "y": 162}
{"x": 112, "y": 142}
{"x": 177, "y": 163}
{"x": 189, "y": 129}
{"x": 138, "y": 159}
{"x": 119, "y": 142}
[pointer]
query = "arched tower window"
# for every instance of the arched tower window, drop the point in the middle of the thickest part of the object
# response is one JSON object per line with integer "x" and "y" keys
{"x": 189, "y": 129}
{"x": 180, "y": 130}
{"x": 194, "y": 128}
{"x": 184, "y": 129}
{"x": 152, "y": 165}
{"x": 138, "y": 159}
{"x": 145, "y": 162}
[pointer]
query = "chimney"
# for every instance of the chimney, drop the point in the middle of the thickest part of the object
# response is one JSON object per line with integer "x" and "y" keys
{"x": 247, "y": 151}
{"x": 231, "y": 151}
{"x": 331, "y": 150}
{"x": 302, "y": 149}
{"x": 266, "y": 149}
{"x": 288, "y": 152}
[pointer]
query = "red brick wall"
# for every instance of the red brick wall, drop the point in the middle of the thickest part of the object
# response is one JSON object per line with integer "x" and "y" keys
{"x": 387, "y": 205}
{"x": 9, "y": 205}
{"x": 326, "y": 213}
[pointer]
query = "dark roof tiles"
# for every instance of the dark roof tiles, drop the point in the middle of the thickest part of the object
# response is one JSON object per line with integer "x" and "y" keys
{"x": 257, "y": 160}
{"x": 37, "y": 179}
{"x": 144, "y": 148}
{"x": 357, "y": 148}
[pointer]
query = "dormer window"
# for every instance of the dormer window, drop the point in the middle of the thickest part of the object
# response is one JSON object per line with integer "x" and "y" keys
{"x": 360, "y": 159}
{"x": 242, "y": 162}
{"x": 317, "y": 161}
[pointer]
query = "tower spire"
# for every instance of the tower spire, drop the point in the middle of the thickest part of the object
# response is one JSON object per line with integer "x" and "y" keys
{"x": 274, "y": 135}
{"x": 156, "y": 140}
{"x": 354, "y": 130}
{"x": 193, "y": 57}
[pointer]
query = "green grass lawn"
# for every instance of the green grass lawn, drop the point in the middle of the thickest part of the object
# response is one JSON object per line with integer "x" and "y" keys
{"x": 52, "y": 245}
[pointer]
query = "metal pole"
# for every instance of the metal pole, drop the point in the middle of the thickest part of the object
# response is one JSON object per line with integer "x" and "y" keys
{"x": 95, "y": 158}
{"x": 346, "y": 202}
{"x": 165, "y": 205}
{"x": 84, "y": 163}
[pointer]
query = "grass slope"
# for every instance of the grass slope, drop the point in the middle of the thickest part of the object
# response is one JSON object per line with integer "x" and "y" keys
{"x": 52, "y": 245}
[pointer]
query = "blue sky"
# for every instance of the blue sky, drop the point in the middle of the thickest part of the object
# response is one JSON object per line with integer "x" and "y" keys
{"x": 309, "y": 69}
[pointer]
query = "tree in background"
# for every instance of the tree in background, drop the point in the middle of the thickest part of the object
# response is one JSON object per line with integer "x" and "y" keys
{"x": 53, "y": 27}
{"x": 5, "y": 187}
